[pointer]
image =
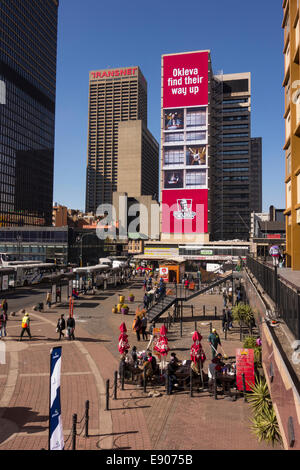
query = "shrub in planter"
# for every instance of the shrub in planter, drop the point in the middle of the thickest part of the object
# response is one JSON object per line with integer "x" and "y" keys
{"x": 243, "y": 313}
{"x": 264, "y": 422}
{"x": 131, "y": 298}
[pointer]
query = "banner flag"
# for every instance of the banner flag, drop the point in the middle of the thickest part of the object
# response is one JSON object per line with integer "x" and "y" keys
{"x": 56, "y": 436}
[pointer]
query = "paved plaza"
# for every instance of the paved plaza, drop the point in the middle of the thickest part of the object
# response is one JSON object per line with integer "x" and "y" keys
{"x": 135, "y": 420}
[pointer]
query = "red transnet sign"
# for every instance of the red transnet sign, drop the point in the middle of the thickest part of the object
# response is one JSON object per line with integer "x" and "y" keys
{"x": 185, "y": 80}
{"x": 184, "y": 211}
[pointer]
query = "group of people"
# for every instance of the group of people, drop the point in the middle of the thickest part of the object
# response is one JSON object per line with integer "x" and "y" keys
{"x": 140, "y": 326}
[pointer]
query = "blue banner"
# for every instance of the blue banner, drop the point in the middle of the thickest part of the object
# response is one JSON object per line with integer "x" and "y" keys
{"x": 56, "y": 435}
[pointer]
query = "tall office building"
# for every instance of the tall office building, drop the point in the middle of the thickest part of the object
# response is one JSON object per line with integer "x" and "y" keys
{"x": 122, "y": 154}
{"x": 210, "y": 166}
{"x": 28, "y": 49}
{"x": 291, "y": 51}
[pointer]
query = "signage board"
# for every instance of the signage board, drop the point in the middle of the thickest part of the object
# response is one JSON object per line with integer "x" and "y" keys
{"x": 245, "y": 365}
{"x": 185, "y": 79}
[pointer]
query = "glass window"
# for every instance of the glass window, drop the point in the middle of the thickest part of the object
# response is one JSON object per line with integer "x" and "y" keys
{"x": 174, "y": 137}
{"x": 196, "y": 136}
{"x": 174, "y": 156}
{"x": 196, "y": 118}
{"x": 195, "y": 178}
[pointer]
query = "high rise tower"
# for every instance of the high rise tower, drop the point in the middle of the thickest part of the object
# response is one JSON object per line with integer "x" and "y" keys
{"x": 28, "y": 48}
{"x": 117, "y": 150}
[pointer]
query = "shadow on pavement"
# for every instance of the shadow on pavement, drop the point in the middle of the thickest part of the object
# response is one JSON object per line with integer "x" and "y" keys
{"x": 21, "y": 416}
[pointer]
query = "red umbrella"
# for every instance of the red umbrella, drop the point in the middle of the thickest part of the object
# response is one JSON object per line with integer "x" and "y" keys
{"x": 123, "y": 339}
{"x": 197, "y": 352}
{"x": 162, "y": 344}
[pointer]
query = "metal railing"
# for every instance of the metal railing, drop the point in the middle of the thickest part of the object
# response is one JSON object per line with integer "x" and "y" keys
{"x": 285, "y": 297}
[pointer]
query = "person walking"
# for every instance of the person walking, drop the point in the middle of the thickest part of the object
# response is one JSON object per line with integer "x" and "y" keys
{"x": 5, "y": 306}
{"x": 137, "y": 326}
{"x": 3, "y": 320}
{"x": 25, "y": 326}
{"x": 71, "y": 327}
{"x": 61, "y": 326}
{"x": 172, "y": 368}
{"x": 224, "y": 320}
{"x": 49, "y": 299}
{"x": 144, "y": 326}
{"x": 151, "y": 336}
{"x": 214, "y": 341}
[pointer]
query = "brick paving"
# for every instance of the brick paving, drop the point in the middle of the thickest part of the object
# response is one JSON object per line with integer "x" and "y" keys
{"x": 135, "y": 421}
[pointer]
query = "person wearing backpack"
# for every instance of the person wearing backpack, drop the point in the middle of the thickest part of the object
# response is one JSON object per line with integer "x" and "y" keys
{"x": 25, "y": 326}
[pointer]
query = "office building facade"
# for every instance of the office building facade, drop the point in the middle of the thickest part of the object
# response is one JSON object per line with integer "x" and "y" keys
{"x": 241, "y": 161}
{"x": 117, "y": 111}
{"x": 28, "y": 50}
{"x": 291, "y": 51}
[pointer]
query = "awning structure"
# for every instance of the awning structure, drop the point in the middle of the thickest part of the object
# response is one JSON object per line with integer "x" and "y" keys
{"x": 175, "y": 259}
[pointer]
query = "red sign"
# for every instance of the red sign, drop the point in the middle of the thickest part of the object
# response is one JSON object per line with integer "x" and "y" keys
{"x": 245, "y": 365}
{"x": 184, "y": 211}
{"x": 273, "y": 235}
{"x": 114, "y": 73}
{"x": 185, "y": 80}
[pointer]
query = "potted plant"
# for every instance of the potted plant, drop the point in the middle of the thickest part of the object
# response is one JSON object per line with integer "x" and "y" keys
{"x": 131, "y": 298}
{"x": 124, "y": 309}
{"x": 114, "y": 309}
{"x": 264, "y": 422}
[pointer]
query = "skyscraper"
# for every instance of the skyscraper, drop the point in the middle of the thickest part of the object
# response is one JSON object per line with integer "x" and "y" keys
{"x": 28, "y": 49}
{"x": 209, "y": 163}
{"x": 121, "y": 156}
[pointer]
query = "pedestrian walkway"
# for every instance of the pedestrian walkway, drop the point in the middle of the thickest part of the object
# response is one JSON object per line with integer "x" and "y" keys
{"x": 135, "y": 420}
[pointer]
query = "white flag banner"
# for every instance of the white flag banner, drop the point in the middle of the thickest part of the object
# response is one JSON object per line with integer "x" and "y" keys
{"x": 56, "y": 435}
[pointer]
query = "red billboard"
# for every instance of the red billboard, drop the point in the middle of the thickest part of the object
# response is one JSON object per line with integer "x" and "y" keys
{"x": 185, "y": 80}
{"x": 245, "y": 365}
{"x": 184, "y": 211}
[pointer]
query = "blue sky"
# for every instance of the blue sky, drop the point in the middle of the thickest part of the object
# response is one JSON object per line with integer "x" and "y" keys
{"x": 242, "y": 37}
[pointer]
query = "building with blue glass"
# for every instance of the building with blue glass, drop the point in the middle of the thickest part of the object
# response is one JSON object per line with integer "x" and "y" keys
{"x": 28, "y": 49}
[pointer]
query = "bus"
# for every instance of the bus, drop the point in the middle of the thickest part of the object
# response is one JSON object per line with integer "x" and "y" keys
{"x": 7, "y": 260}
{"x": 28, "y": 274}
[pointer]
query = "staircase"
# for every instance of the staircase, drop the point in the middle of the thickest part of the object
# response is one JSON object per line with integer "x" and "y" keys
{"x": 155, "y": 312}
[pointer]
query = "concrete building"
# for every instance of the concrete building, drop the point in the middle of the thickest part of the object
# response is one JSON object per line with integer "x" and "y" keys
{"x": 137, "y": 160}
{"x": 291, "y": 51}
{"x": 267, "y": 229}
{"x": 118, "y": 139}
{"x": 59, "y": 215}
{"x": 28, "y": 50}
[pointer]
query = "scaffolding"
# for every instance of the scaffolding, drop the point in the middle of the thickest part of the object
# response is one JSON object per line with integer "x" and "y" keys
{"x": 217, "y": 157}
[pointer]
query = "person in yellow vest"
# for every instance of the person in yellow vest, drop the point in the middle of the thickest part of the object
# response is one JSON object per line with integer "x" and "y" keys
{"x": 25, "y": 326}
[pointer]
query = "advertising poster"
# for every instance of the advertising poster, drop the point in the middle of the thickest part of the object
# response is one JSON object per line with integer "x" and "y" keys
{"x": 185, "y": 80}
{"x": 185, "y": 211}
{"x": 164, "y": 273}
{"x": 173, "y": 119}
{"x": 5, "y": 283}
{"x": 196, "y": 155}
{"x": 173, "y": 179}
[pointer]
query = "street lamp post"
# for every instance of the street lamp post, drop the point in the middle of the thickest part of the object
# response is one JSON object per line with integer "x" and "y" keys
{"x": 80, "y": 238}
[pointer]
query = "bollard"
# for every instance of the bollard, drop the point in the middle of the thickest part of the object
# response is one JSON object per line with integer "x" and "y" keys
{"x": 122, "y": 378}
{"x": 204, "y": 310}
{"x": 115, "y": 384}
{"x": 195, "y": 325}
{"x": 215, "y": 312}
{"x": 191, "y": 382}
{"x": 210, "y": 327}
{"x": 226, "y": 331}
{"x": 144, "y": 380}
{"x": 167, "y": 382}
{"x": 87, "y": 406}
{"x": 244, "y": 387}
{"x": 215, "y": 388}
{"x": 74, "y": 431}
{"x": 241, "y": 338}
{"x": 107, "y": 396}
